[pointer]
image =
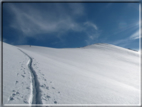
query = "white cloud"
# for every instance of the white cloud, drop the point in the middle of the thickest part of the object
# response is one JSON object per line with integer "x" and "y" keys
{"x": 92, "y": 31}
{"x": 91, "y": 25}
{"x": 122, "y": 42}
{"x": 54, "y": 18}
{"x": 135, "y": 35}
{"x": 31, "y": 20}
{"x": 125, "y": 27}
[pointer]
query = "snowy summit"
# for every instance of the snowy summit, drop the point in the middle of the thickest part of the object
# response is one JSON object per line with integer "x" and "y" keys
{"x": 99, "y": 74}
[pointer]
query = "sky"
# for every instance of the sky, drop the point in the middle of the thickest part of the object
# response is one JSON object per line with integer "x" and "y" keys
{"x": 71, "y": 25}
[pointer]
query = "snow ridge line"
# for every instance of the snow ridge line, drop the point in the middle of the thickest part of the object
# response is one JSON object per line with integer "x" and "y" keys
{"x": 35, "y": 97}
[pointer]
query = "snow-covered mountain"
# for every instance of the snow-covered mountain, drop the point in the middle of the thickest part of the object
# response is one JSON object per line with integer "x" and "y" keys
{"x": 95, "y": 74}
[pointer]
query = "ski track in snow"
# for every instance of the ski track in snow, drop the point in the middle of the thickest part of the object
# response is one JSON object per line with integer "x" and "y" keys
{"x": 35, "y": 97}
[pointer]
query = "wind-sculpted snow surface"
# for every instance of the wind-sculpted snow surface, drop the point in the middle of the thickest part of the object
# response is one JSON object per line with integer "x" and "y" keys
{"x": 97, "y": 74}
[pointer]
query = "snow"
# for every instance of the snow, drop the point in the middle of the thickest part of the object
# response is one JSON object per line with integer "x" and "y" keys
{"x": 95, "y": 74}
{"x": 16, "y": 77}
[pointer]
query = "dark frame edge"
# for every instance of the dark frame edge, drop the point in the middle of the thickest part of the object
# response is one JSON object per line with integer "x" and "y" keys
{"x": 1, "y": 54}
{"x": 73, "y": 1}
{"x": 80, "y": 1}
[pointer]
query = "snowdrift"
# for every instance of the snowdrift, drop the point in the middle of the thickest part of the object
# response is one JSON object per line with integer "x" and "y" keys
{"x": 96, "y": 74}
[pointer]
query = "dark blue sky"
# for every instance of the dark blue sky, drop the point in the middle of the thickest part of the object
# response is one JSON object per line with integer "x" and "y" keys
{"x": 68, "y": 25}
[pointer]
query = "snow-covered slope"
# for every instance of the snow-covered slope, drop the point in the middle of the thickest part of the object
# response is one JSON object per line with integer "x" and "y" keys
{"x": 96, "y": 74}
{"x": 16, "y": 79}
